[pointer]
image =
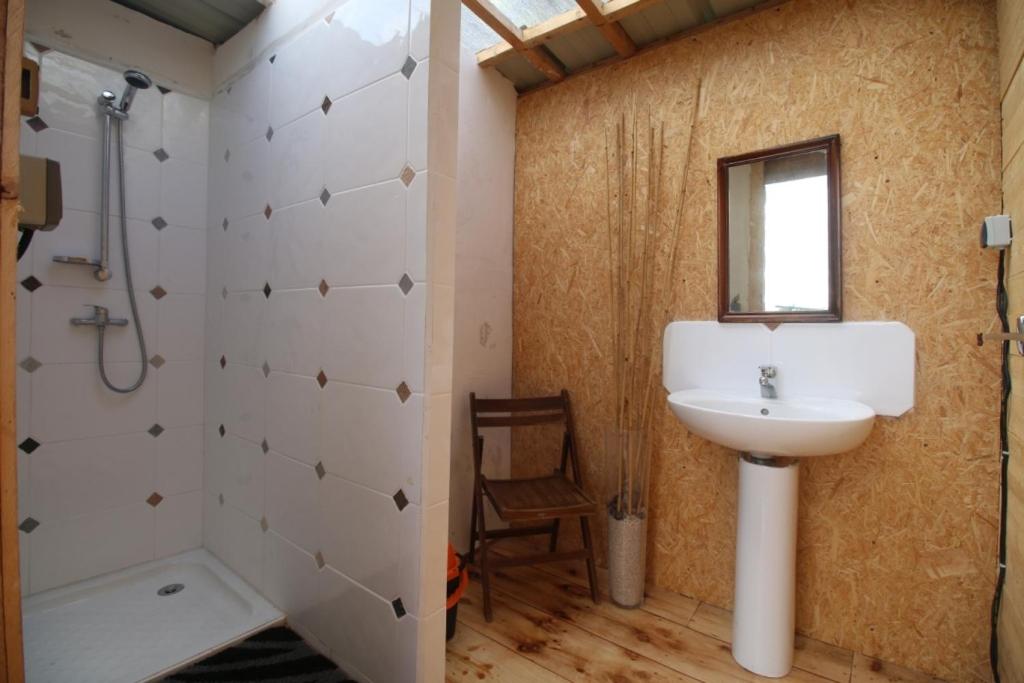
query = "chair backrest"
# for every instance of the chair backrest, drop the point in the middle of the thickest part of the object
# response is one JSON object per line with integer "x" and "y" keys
{"x": 524, "y": 412}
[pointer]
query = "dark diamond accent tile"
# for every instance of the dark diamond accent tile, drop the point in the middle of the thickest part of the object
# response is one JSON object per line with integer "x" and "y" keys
{"x": 224, "y": 224}
{"x": 399, "y": 608}
{"x": 221, "y": 430}
{"x": 264, "y": 446}
{"x": 227, "y": 155}
{"x": 37, "y": 124}
{"x": 321, "y": 379}
{"x": 400, "y": 500}
{"x": 270, "y": 133}
{"x": 31, "y": 283}
{"x": 159, "y": 223}
{"x": 157, "y": 361}
{"x": 325, "y": 106}
{"x": 407, "y": 175}
{"x": 267, "y": 211}
{"x": 223, "y": 361}
{"x": 158, "y": 292}
{"x": 28, "y": 445}
{"x": 325, "y": 196}
{"x": 266, "y": 369}
{"x": 161, "y": 155}
{"x": 28, "y": 525}
{"x": 220, "y": 498}
{"x": 163, "y": 90}
{"x": 30, "y": 364}
{"x": 324, "y": 288}
{"x": 320, "y": 471}
{"x": 155, "y": 431}
{"x": 264, "y": 525}
{"x": 408, "y": 67}
{"x": 154, "y": 499}
{"x": 405, "y": 284}
{"x": 319, "y": 557}
{"x": 266, "y": 289}
{"x": 403, "y": 392}
{"x": 223, "y": 292}
{"x": 272, "y": 59}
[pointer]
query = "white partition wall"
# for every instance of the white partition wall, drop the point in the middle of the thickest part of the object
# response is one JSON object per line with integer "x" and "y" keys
{"x": 329, "y": 322}
{"x": 483, "y": 275}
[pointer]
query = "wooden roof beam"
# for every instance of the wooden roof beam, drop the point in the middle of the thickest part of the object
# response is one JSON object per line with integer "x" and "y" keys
{"x": 611, "y": 30}
{"x": 566, "y": 22}
{"x": 539, "y": 57}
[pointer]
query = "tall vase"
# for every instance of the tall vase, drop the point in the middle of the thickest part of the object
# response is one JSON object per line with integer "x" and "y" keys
{"x": 627, "y": 465}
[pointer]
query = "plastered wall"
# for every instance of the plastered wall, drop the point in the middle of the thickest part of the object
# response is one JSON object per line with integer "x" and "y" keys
{"x": 1011, "y": 88}
{"x": 483, "y": 276}
{"x": 897, "y": 539}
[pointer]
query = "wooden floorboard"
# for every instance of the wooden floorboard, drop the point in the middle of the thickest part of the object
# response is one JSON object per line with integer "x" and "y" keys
{"x": 546, "y": 628}
{"x": 473, "y": 656}
{"x": 558, "y": 645}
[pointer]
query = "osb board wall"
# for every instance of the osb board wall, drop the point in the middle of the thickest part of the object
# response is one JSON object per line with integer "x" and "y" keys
{"x": 1011, "y": 615}
{"x": 898, "y": 539}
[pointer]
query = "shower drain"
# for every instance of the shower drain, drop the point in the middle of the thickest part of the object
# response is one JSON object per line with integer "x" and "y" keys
{"x": 171, "y": 589}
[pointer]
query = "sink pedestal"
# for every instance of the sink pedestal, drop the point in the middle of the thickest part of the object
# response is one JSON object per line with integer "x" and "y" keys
{"x": 763, "y": 624}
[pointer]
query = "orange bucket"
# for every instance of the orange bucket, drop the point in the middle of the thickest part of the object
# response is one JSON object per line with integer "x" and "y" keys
{"x": 458, "y": 579}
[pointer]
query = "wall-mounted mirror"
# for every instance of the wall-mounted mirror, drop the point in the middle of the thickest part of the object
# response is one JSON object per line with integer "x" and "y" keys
{"x": 778, "y": 240}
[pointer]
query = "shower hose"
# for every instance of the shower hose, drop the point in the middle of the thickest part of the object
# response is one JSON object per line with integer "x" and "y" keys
{"x": 127, "y": 277}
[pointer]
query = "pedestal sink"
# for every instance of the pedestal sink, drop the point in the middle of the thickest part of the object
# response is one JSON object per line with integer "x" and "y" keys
{"x": 772, "y": 434}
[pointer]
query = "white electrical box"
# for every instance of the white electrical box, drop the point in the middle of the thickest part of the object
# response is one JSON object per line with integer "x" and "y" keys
{"x": 996, "y": 232}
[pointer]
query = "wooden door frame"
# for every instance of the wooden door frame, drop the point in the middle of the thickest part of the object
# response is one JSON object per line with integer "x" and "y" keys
{"x": 12, "y": 18}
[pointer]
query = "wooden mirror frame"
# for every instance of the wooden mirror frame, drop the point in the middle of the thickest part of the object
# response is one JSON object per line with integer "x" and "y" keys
{"x": 830, "y": 145}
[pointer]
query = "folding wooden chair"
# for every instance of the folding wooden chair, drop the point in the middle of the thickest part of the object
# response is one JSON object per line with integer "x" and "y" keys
{"x": 544, "y": 501}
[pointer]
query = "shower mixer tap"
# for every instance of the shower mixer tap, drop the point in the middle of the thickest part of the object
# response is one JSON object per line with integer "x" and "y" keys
{"x": 101, "y": 318}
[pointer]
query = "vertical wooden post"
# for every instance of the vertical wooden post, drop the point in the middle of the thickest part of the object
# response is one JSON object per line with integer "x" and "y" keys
{"x": 12, "y": 16}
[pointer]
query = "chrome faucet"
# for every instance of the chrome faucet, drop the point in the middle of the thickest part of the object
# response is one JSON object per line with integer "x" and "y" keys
{"x": 101, "y": 319}
{"x": 768, "y": 373}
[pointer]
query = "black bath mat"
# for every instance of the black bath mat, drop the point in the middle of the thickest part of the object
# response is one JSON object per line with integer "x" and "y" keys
{"x": 277, "y": 655}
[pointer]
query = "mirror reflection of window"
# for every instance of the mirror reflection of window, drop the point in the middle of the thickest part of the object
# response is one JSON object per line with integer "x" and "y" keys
{"x": 796, "y": 245}
{"x": 778, "y": 234}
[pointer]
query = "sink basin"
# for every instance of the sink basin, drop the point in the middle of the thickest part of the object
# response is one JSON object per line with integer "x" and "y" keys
{"x": 791, "y": 427}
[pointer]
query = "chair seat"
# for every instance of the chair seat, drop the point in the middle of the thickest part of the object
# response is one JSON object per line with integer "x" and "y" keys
{"x": 539, "y": 498}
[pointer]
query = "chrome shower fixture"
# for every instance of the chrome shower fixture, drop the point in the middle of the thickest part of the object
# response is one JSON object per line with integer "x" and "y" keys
{"x": 113, "y": 118}
{"x": 136, "y": 81}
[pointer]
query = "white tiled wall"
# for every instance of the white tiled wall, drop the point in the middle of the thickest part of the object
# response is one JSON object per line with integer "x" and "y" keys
{"x": 87, "y": 483}
{"x": 329, "y": 315}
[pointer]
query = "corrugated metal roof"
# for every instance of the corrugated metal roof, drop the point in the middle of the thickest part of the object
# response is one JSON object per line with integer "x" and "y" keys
{"x": 213, "y": 20}
{"x": 581, "y": 48}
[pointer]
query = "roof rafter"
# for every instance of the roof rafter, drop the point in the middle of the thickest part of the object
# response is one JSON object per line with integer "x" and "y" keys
{"x": 566, "y": 22}
{"x": 538, "y": 56}
{"x": 611, "y": 30}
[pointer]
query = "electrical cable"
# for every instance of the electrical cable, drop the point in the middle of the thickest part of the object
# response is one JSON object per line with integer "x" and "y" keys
{"x": 1002, "y": 305}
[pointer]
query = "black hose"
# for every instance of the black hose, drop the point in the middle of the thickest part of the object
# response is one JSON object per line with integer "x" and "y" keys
{"x": 1002, "y": 304}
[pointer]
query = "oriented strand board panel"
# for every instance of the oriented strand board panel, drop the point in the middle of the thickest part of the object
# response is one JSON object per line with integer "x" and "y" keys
{"x": 898, "y": 539}
{"x": 1011, "y": 614}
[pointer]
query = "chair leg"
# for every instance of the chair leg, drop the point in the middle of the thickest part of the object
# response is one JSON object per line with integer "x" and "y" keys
{"x": 591, "y": 564}
{"x": 472, "y": 532}
{"x": 554, "y": 536}
{"x": 485, "y": 580}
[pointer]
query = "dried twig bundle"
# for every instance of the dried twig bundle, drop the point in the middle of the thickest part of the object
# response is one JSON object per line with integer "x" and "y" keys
{"x": 637, "y": 233}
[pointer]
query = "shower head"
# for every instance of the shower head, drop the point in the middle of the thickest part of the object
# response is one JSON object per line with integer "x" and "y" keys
{"x": 136, "y": 81}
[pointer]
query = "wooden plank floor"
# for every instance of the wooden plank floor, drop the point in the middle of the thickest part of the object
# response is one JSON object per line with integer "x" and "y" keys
{"x": 546, "y": 628}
